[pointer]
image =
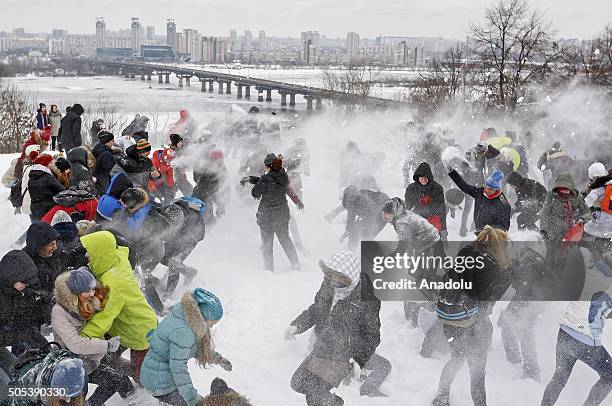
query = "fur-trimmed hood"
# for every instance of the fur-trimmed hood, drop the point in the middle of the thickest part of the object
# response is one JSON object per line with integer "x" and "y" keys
{"x": 196, "y": 322}
{"x": 67, "y": 299}
{"x": 225, "y": 399}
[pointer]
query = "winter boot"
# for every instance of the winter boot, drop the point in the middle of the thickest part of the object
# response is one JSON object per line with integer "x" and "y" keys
{"x": 441, "y": 400}
{"x": 336, "y": 401}
{"x": 462, "y": 232}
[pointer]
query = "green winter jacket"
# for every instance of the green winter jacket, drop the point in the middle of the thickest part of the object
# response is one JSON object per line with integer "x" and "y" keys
{"x": 127, "y": 313}
{"x": 551, "y": 215}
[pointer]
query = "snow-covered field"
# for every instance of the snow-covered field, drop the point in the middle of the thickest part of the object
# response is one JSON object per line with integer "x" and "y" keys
{"x": 259, "y": 305}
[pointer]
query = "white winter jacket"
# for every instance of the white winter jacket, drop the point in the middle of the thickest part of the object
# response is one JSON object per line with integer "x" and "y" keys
{"x": 601, "y": 224}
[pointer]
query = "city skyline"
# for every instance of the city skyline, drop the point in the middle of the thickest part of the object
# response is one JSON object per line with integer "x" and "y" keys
{"x": 385, "y": 19}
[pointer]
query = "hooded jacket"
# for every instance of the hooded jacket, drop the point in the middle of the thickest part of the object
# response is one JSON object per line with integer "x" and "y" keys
{"x": 364, "y": 206}
{"x": 426, "y": 201}
{"x": 70, "y": 130}
{"x": 601, "y": 222}
{"x": 127, "y": 313}
{"x": 413, "y": 231}
{"x": 104, "y": 165}
{"x": 494, "y": 212}
{"x": 530, "y": 194}
{"x": 40, "y": 234}
{"x": 349, "y": 328}
{"x": 172, "y": 345}
{"x": 17, "y": 308}
{"x": 135, "y": 166}
{"x": 80, "y": 159}
{"x": 551, "y": 216}
{"x": 273, "y": 206}
{"x": 109, "y": 203}
{"x": 42, "y": 186}
{"x": 67, "y": 322}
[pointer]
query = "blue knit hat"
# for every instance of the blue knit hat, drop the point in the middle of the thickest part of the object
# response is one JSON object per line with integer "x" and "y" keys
{"x": 209, "y": 304}
{"x": 494, "y": 181}
{"x": 69, "y": 375}
{"x": 81, "y": 280}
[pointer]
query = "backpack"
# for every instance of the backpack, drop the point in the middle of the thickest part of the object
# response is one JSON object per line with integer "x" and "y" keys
{"x": 70, "y": 198}
{"x": 456, "y": 308}
{"x": 34, "y": 368}
{"x": 16, "y": 196}
{"x": 606, "y": 201}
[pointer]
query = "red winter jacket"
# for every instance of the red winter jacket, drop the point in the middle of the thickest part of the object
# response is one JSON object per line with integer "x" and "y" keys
{"x": 87, "y": 208}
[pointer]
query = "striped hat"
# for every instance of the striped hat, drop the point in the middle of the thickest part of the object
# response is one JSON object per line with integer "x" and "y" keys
{"x": 143, "y": 146}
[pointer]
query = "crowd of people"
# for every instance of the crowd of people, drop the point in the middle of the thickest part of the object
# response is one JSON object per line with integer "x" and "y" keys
{"x": 104, "y": 217}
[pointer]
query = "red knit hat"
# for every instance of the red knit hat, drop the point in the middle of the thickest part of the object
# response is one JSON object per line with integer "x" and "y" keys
{"x": 43, "y": 159}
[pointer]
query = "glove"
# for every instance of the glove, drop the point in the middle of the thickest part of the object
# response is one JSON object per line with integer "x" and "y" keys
{"x": 356, "y": 369}
{"x": 113, "y": 344}
{"x": 300, "y": 205}
{"x": 290, "y": 333}
{"x": 224, "y": 363}
{"x": 45, "y": 329}
{"x": 244, "y": 180}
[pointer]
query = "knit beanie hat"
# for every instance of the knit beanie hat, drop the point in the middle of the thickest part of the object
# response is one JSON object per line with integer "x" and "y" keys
{"x": 514, "y": 179}
{"x": 393, "y": 206}
{"x": 494, "y": 181}
{"x": 597, "y": 170}
{"x": 69, "y": 374}
{"x": 43, "y": 159}
{"x": 81, "y": 280}
{"x": 143, "y": 146}
{"x": 62, "y": 164}
{"x": 132, "y": 197}
{"x": 175, "y": 139}
{"x": 32, "y": 151}
{"x": 209, "y": 304}
{"x": 85, "y": 227}
{"x": 269, "y": 159}
{"x": 105, "y": 136}
{"x": 175, "y": 215}
{"x": 60, "y": 216}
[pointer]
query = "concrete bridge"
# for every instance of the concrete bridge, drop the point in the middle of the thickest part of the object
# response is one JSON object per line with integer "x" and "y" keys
{"x": 223, "y": 83}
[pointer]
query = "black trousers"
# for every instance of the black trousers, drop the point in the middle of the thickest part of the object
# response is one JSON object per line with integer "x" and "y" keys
{"x": 173, "y": 398}
{"x": 316, "y": 390}
{"x": 570, "y": 350}
{"x": 109, "y": 381}
{"x": 281, "y": 230}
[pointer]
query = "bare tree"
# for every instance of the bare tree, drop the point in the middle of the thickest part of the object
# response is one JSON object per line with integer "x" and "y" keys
{"x": 353, "y": 84}
{"x": 448, "y": 80}
{"x": 515, "y": 47}
{"x": 103, "y": 108}
{"x": 15, "y": 116}
{"x": 591, "y": 60}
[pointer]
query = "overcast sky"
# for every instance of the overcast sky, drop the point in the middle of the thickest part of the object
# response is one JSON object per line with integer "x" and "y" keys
{"x": 333, "y": 18}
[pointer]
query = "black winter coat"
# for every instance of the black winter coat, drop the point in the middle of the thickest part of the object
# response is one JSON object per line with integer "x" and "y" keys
{"x": 350, "y": 330}
{"x": 363, "y": 206}
{"x": 530, "y": 194}
{"x": 70, "y": 130}
{"x": 272, "y": 189}
{"x": 104, "y": 165}
{"x": 40, "y": 234}
{"x": 137, "y": 167}
{"x": 493, "y": 212}
{"x": 428, "y": 200}
{"x": 42, "y": 186}
{"x": 21, "y": 313}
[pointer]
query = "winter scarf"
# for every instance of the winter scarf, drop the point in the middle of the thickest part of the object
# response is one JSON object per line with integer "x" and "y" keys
{"x": 568, "y": 212}
{"x": 492, "y": 195}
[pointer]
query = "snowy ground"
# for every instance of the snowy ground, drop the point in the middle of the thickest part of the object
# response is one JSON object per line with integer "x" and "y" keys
{"x": 259, "y": 305}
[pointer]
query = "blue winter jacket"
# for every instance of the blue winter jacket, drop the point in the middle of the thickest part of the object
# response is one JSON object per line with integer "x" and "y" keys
{"x": 165, "y": 366}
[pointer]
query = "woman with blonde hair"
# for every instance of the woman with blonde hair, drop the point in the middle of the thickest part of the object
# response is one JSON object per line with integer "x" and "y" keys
{"x": 182, "y": 335}
{"x": 77, "y": 298}
{"x": 465, "y": 312}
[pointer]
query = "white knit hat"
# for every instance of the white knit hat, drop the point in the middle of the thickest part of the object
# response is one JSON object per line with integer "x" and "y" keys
{"x": 597, "y": 170}
{"x": 60, "y": 217}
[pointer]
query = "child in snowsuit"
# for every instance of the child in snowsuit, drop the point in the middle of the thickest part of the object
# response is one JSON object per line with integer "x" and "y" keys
{"x": 184, "y": 334}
